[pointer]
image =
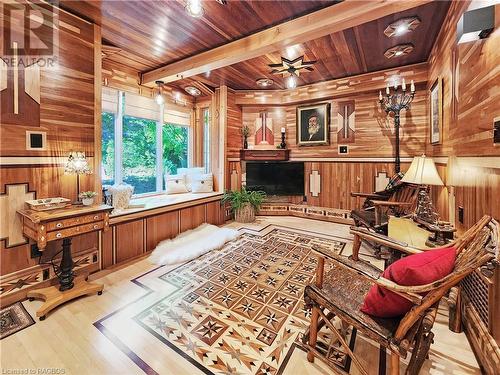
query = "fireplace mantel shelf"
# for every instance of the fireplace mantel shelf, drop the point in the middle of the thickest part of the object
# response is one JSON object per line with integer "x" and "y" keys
{"x": 265, "y": 155}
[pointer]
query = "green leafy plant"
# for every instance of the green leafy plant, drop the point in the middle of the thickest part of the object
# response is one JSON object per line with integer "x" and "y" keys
{"x": 87, "y": 194}
{"x": 239, "y": 198}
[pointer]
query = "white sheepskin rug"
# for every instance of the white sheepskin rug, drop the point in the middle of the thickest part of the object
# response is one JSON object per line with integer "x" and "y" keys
{"x": 191, "y": 244}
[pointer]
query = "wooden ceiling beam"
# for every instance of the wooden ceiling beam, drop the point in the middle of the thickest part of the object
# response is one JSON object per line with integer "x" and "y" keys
{"x": 335, "y": 18}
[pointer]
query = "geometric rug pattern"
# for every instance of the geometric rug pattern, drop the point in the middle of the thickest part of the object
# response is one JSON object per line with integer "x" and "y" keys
{"x": 14, "y": 318}
{"x": 240, "y": 309}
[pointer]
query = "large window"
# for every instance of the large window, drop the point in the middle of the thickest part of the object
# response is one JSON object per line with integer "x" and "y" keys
{"x": 139, "y": 154}
{"x": 137, "y": 147}
{"x": 108, "y": 148}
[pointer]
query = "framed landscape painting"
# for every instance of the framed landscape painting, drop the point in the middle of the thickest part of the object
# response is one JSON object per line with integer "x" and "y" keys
{"x": 313, "y": 125}
{"x": 436, "y": 112}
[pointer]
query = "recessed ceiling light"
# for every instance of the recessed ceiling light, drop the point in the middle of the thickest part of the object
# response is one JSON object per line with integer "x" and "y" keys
{"x": 194, "y": 8}
{"x": 402, "y": 26}
{"x": 191, "y": 90}
{"x": 264, "y": 82}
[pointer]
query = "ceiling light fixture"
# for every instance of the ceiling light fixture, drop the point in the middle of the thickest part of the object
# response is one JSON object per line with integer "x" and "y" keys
{"x": 194, "y": 8}
{"x": 159, "y": 96}
{"x": 402, "y": 26}
{"x": 177, "y": 96}
{"x": 191, "y": 90}
{"x": 398, "y": 51}
{"x": 292, "y": 69}
{"x": 291, "y": 82}
{"x": 264, "y": 82}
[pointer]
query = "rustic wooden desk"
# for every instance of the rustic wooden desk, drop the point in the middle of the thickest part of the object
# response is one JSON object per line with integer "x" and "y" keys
{"x": 64, "y": 223}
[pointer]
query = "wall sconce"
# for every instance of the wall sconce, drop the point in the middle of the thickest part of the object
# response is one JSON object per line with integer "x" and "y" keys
{"x": 476, "y": 24}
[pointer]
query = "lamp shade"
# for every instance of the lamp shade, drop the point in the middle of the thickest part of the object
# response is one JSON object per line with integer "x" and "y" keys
{"x": 422, "y": 171}
{"x": 77, "y": 164}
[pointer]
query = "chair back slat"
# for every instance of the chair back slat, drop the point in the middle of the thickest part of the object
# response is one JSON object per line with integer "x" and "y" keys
{"x": 407, "y": 193}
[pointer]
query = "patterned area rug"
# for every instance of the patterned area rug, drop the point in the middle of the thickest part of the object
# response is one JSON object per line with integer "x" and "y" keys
{"x": 240, "y": 310}
{"x": 14, "y": 318}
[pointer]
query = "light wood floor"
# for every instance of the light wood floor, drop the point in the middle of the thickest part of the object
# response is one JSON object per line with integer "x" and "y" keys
{"x": 69, "y": 343}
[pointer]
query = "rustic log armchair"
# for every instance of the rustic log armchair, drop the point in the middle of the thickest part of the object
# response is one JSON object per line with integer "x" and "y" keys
{"x": 341, "y": 292}
{"x": 374, "y": 216}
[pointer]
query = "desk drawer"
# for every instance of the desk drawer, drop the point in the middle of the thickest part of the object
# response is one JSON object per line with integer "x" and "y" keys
{"x": 72, "y": 221}
{"x": 74, "y": 231}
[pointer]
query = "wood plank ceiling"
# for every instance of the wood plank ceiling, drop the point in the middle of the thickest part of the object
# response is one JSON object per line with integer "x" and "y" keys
{"x": 149, "y": 34}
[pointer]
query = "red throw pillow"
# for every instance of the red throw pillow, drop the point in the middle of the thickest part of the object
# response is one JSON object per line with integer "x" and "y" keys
{"x": 416, "y": 269}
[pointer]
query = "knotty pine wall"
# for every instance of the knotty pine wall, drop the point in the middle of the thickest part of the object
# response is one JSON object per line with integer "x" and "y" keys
{"x": 471, "y": 100}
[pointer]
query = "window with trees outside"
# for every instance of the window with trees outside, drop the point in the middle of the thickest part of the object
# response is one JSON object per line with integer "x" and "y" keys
{"x": 137, "y": 149}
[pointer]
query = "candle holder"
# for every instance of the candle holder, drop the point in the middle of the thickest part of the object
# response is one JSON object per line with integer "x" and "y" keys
{"x": 395, "y": 103}
{"x": 283, "y": 143}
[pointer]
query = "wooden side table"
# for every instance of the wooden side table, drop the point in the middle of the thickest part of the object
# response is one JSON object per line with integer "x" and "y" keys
{"x": 443, "y": 232}
{"x": 64, "y": 223}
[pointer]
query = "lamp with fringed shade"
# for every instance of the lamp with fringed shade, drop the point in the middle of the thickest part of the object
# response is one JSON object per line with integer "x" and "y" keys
{"x": 423, "y": 172}
{"x": 77, "y": 164}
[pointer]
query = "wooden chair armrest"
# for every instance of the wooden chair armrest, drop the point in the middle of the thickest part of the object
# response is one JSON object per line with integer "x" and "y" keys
{"x": 367, "y": 195}
{"x": 360, "y": 266}
{"x": 389, "y": 203}
{"x": 382, "y": 239}
{"x": 406, "y": 292}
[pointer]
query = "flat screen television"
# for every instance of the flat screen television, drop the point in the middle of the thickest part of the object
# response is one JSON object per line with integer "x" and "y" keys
{"x": 276, "y": 178}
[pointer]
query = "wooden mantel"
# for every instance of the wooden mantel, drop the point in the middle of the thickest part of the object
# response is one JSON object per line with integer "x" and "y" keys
{"x": 265, "y": 155}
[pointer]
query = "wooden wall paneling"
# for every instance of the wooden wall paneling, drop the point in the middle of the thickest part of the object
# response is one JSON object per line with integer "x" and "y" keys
{"x": 214, "y": 213}
{"x": 161, "y": 227}
{"x": 97, "y": 112}
{"x": 129, "y": 240}
{"x": 471, "y": 88}
{"x": 191, "y": 217}
{"x": 233, "y": 127}
{"x": 374, "y": 129}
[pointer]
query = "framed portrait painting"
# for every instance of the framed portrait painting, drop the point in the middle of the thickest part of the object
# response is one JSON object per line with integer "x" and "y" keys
{"x": 436, "y": 112}
{"x": 313, "y": 125}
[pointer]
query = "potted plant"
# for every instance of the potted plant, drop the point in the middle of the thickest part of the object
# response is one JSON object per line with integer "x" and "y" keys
{"x": 87, "y": 197}
{"x": 245, "y": 131}
{"x": 244, "y": 203}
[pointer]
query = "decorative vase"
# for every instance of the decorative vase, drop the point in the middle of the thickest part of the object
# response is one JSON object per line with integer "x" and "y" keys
{"x": 245, "y": 143}
{"x": 88, "y": 201}
{"x": 246, "y": 214}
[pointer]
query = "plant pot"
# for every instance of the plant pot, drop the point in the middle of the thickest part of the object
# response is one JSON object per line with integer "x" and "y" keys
{"x": 88, "y": 201}
{"x": 246, "y": 214}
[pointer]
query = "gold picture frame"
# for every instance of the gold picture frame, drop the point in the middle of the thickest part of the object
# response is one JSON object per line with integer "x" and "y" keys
{"x": 436, "y": 112}
{"x": 313, "y": 124}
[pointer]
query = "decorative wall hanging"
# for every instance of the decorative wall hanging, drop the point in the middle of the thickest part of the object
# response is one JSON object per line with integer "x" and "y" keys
{"x": 19, "y": 92}
{"x": 264, "y": 129}
{"x": 436, "y": 110}
{"x": 345, "y": 122}
{"x": 313, "y": 125}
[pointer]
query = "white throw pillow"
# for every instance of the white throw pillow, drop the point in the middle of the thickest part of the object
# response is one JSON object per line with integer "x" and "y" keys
{"x": 203, "y": 183}
{"x": 190, "y": 173}
{"x": 176, "y": 184}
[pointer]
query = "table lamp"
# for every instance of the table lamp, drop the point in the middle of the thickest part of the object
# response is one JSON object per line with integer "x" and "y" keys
{"x": 77, "y": 164}
{"x": 423, "y": 172}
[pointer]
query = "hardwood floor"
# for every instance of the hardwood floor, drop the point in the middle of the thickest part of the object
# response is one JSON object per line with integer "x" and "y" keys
{"x": 97, "y": 334}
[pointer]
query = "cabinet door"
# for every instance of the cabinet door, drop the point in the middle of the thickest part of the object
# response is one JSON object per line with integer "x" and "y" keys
{"x": 161, "y": 227}
{"x": 191, "y": 217}
{"x": 129, "y": 240}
